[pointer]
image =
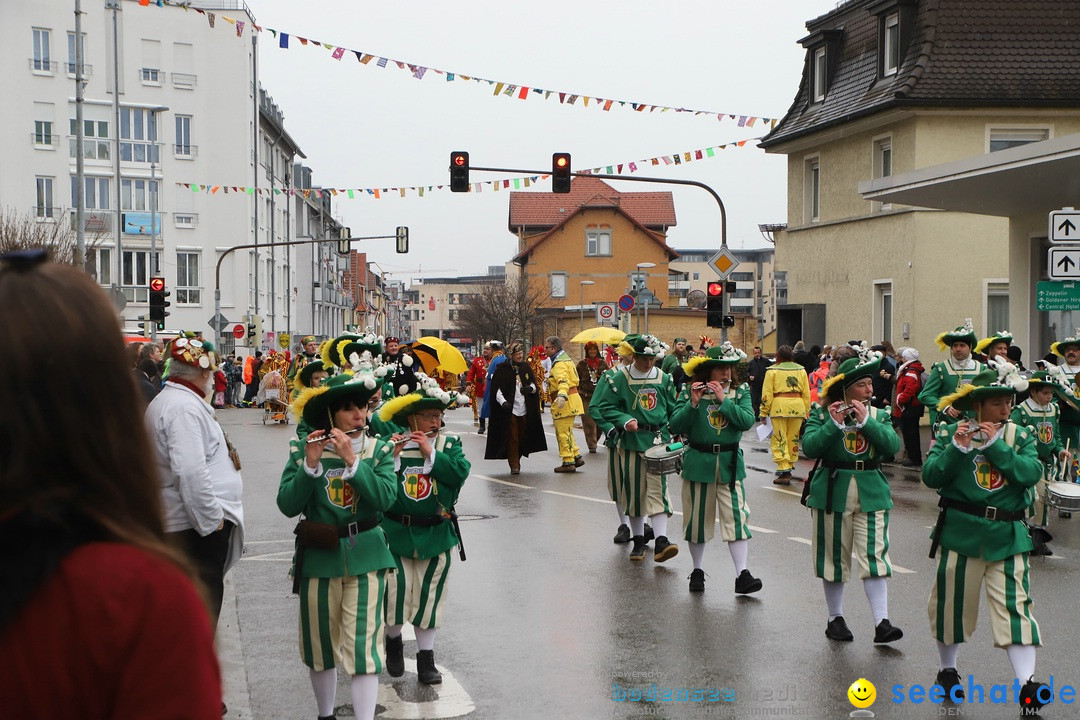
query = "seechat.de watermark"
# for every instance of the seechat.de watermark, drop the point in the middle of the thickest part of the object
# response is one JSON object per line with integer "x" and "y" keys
{"x": 972, "y": 692}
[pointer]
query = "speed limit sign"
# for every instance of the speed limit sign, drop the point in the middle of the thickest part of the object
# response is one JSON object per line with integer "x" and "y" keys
{"x": 606, "y": 312}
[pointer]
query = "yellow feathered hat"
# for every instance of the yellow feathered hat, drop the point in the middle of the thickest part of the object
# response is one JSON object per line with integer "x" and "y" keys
{"x": 965, "y": 333}
{"x": 1001, "y": 336}
{"x": 1058, "y": 348}
{"x": 1000, "y": 378}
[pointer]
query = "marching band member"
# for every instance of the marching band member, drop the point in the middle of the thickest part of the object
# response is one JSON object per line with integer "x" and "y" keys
{"x": 713, "y": 414}
{"x": 607, "y": 430}
{"x": 1069, "y": 351}
{"x": 984, "y": 469}
{"x": 1039, "y": 413}
{"x": 341, "y": 480}
{"x": 995, "y": 347}
{"x": 589, "y": 370}
{"x": 849, "y": 497}
{"x": 638, "y": 403}
{"x": 954, "y": 372}
{"x": 421, "y": 526}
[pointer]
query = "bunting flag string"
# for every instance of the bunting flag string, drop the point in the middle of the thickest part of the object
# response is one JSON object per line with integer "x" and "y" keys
{"x": 516, "y": 183}
{"x": 500, "y": 88}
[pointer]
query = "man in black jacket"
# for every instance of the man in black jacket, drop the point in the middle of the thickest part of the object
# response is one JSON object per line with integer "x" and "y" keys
{"x": 755, "y": 372}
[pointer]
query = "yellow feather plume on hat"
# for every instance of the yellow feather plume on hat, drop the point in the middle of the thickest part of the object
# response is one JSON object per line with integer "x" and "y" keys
{"x": 324, "y": 353}
{"x": 692, "y": 364}
{"x": 390, "y": 408}
{"x": 940, "y": 340}
{"x": 302, "y": 400}
{"x": 949, "y": 400}
{"x": 624, "y": 349}
{"x": 829, "y": 382}
{"x": 346, "y": 367}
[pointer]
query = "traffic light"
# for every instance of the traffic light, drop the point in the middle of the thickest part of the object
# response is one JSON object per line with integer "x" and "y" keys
{"x": 729, "y": 286}
{"x": 560, "y": 172}
{"x": 143, "y": 325}
{"x": 459, "y": 171}
{"x": 729, "y": 321}
{"x": 343, "y": 243}
{"x": 158, "y": 303}
{"x": 402, "y": 236}
{"x": 714, "y": 305}
{"x": 256, "y": 337}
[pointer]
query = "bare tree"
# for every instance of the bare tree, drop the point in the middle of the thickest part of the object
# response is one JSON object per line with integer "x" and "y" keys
{"x": 504, "y": 312}
{"x": 22, "y": 231}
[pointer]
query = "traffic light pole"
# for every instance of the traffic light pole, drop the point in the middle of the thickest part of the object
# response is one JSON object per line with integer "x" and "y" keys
{"x": 665, "y": 181}
{"x": 249, "y": 246}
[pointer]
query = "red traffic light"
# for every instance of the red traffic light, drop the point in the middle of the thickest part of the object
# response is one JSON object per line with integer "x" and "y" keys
{"x": 157, "y": 284}
{"x": 460, "y": 159}
{"x": 715, "y": 289}
{"x": 561, "y": 161}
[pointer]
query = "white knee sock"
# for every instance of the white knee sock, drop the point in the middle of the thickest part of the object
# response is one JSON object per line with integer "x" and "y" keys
{"x": 1022, "y": 658}
{"x": 425, "y": 638}
{"x": 623, "y": 518}
{"x": 948, "y": 654}
{"x": 365, "y": 691}
{"x": 637, "y": 526}
{"x": 739, "y": 550}
{"x": 834, "y": 598}
{"x": 324, "y": 683}
{"x": 877, "y": 592}
{"x": 697, "y": 551}
{"x": 659, "y": 524}
{"x": 393, "y": 631}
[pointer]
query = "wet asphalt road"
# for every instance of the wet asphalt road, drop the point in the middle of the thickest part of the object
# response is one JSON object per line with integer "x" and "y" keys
{"x": 548, "y": 618}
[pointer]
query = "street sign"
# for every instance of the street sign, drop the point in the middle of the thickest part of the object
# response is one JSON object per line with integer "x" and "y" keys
{"x": 283, "y": 341}
{"x": 605, "y": 313}
{"x": 239, "y": 331}
{"x": 1064, "y": 226}
{"x": 1063, "y": 263}
{"x": 1050, "y": 295}
{"x": 723, "y": 262}
{"x": 219, "y": 323}
{"x": 626, "y": 303}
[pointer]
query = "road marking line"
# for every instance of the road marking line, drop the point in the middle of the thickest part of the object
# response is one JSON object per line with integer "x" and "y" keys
{"x": 804, "y": 541}
{"x": 782, "y": 490}
{"x": 452, "y": 701}
{"x": 755, "y": 528}
{"x": 502, "y": 482}
{"x": 578, "y": 497}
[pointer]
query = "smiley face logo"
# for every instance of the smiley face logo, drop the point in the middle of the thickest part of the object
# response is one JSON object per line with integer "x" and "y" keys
{"x": 862, "y": 693}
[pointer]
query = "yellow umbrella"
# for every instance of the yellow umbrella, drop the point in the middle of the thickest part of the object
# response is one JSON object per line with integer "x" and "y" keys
{"x": 607, "y": 335}
{"x": 434, "y": 353}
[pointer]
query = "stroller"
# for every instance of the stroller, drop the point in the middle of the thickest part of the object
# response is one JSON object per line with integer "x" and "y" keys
{"x": 272, "y": 396}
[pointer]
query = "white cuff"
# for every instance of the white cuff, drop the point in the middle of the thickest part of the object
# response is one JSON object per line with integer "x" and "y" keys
{"x": 351, "y": 470}
{"x": 315, "y": 471}
{"x": 962, "y": 449}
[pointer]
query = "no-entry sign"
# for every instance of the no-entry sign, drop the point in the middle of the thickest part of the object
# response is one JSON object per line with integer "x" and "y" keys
{"x": 239, "y": 331}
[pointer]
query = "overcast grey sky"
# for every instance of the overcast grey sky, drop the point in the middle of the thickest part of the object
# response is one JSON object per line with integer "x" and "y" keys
{"x": 363, "y": 126}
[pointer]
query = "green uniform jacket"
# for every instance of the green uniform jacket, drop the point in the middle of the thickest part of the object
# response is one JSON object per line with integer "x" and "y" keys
{"x": 602, "y": 386}
{"x": 998, "y": 476}
{"x": 713, "y": 422}
{"x": 670, "y": 362}
{"x": 943, "y": 380}
{"x": 427, "y": 495}
{"x": 328, "y": 499}
{"x": 383, "y": 428}
{"x": 874, "y": 440}
{"x": 1043, "y": 424}
{"x": 650, "y": 402}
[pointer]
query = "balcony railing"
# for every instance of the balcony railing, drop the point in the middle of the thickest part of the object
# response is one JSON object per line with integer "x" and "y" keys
{"x": 88, "y": 69}
{"x": 140, "y": 151}
{"x": 93, "y": 148}
{"x": 184, "y": 81}
{"x": 185, "y": 150}
{"x": 44, "y": 66}
{"x": 46, "y": 212}
{"x": 95, "y": 221}
{"x": 152, "y": 76}
{"x": 44, "y": 139}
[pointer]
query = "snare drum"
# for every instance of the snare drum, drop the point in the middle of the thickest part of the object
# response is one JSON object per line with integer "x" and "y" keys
{"x": 1063, "y": 496}
{"x": 667, "y": 459}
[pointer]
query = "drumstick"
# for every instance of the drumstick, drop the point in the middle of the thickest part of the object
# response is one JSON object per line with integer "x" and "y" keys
{"x": 1066, "y": 466}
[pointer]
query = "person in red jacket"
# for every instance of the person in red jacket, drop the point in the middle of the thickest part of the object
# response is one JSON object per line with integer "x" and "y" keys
{"x": 907, "y": 410}
{"x": 475, "y": 382}
{"x": 220, "y": 383}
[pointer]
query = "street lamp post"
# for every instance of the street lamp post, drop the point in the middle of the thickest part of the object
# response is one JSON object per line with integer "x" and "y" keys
{"x": 581, "y": 303}
{"x": 645, "y": 286}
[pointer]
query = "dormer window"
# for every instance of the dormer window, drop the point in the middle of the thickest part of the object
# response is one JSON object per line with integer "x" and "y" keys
{"x": 819, "y": 76}
{"x": 890, "y": 44}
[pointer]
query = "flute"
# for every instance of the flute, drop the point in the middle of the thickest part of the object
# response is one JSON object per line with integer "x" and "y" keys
{"x": 971, "y": 430}
{"x": 327, "y": 436}
{"x": 404, "y": 440}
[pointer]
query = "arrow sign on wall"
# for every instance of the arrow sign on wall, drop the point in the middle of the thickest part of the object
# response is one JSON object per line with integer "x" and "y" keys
{"x": 1064, "y": 226}
{"x": 1063, "y": 263}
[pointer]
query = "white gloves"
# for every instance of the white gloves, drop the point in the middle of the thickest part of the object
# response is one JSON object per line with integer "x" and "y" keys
{"x": 560, "y": 403}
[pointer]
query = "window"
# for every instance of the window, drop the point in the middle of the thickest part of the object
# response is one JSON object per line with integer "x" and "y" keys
{"x": 43, "y": 133}
{"x": 1004, "y": 138}
{"x": 95, "y": 139}
{"x": 43, "y": 206}
{"x": 997, "y": 305}
{"x": 138, "y": 135}
{"x": 183, "y": 136}
{"x": 883, "y": 309}
{"x": 696, "y": 275}
{"x": 140, "y": 195}
{"x": 150, "y": 72}
{"x": 72, "y": 56}
{"x": 812, "y": 191}
{"x": 890, "y": 44}
{"x": 598, "y": 242}
{"x": 187, "y": 278}
{"x": 95, "y": 192}
{"x": 102, "y": 259}
{"x": 42, "y": 61}
{"x": 818, "y": 75}
{"x": 135, "y": 275}
{"x": 558, "y": 284}
{"x": 185, "y": 220}
{"x": 882, "y": 165}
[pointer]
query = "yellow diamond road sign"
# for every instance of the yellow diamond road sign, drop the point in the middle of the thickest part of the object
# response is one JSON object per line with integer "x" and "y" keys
{"x": 723, "y": 263}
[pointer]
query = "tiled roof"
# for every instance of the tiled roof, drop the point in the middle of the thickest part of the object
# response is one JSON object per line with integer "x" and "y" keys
{"x": 533, "y": 242}
{"x": 960, "y": 54}
{"x": 541, "y": 209}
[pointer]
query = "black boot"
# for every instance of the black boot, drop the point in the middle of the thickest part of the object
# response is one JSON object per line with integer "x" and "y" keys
{"x": 483, "y": 426}
{"x": 425, "y": 668}
{"x": 395, "y": 656}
